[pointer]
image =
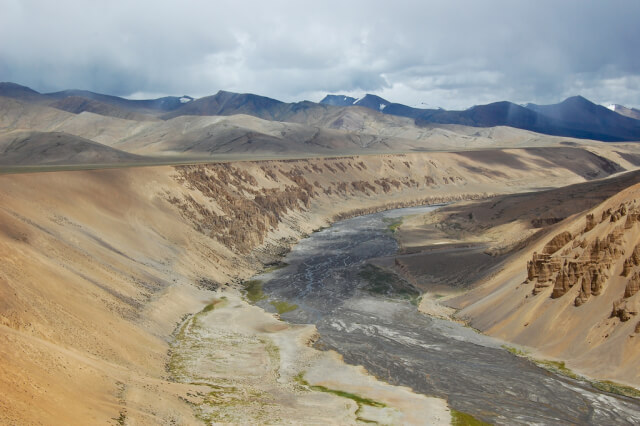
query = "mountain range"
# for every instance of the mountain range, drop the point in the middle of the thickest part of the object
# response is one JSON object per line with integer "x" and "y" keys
{"x": 575, "y": 117}
{"x": 627, "y": 112}
{"x": 118, "y": 281}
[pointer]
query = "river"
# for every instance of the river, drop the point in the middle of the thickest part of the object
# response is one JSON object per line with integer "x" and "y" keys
{"x": 396, "y": 343}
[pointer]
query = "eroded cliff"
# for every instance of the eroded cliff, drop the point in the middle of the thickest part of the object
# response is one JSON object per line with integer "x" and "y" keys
{"x": 573, "y": 294}
{"x": 99, "y": 266}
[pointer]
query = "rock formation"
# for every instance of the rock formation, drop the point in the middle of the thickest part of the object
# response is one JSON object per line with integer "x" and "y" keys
{"x": 633, "y": 285}
{"x": 557, "y": 242}
{"x": 587, "y": 261}
{"x": 591, "y": 223}
{"x": 622, "y": 310}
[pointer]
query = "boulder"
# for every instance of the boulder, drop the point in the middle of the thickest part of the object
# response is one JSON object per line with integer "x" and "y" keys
{"x": 585, "y": 290}
{"x": 622, "y": 311}
{"x": 633, "y": 285}
{"x": 591, "y": 223}
{"x": 557, "y": 242}
{"x": 561, "y": 286}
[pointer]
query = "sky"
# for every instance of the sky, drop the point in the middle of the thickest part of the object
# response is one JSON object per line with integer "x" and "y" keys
{"x": 451, "y": 54}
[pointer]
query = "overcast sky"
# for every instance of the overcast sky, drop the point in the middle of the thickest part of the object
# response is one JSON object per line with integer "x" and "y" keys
{"x": 451, "y": 54}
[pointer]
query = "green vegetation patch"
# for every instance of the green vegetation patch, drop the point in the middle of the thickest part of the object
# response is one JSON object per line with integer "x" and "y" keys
{"x": 393, "y": 223}
{"x": 122, "y": 420}
{"x": 617, "y": 388}
{"x": 381, "y": 281}
{"x": 216, "y": 303}
{"x": 274, "y": 354}
{"x": 559, "y": 367}
{"x": 283, "y": 307}
{"x": 275, "y": 266}
{"x": 359, "y": 400}
{"x": 458, "y": 418}
{"x": 253, "y": 290}
{"x": 515, "y": 351}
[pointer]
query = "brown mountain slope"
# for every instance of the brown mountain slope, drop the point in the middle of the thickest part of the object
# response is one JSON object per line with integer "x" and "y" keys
{"x": 349, "y": 132}
{"x": 77, "y": 104}
{"x": 572, "y": 293}
{"x": 100, "y": 266}
{"x": 20, "y": 115}
{"x": 627, "y": 112}
{"x": 49, "y": 148}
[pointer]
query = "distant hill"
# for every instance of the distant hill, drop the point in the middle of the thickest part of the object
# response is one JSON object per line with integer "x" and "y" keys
{"x": 78, "y": 101}
{"x": 42, "y": 148}
{"x": 229, "y": 103}
{"x": 77, "y": 105}
{"x": 165, "y": 104}
{"x": 580, "y": 117}
{"x": 373, "y": 102}
{"x": 310, "y": 113}
{"x": 627, "y": 112}
{"x": 575, "y": 117}
{"x": 16, "y": 91}
{"x": 338, "y": 100}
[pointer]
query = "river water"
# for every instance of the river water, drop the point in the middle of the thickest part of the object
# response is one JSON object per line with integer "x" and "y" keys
{"x": 396, "y": 343}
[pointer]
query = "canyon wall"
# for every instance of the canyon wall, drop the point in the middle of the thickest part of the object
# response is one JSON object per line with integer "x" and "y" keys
{"x": 99, "y": 266}
{"x": 573, "y": 294}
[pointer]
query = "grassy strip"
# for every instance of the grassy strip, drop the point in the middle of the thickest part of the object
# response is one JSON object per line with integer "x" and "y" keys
{"x": 253, "y": 291}
{"x": 617, "y": 388}
{"x": 359, "y": 400}
{"x": 283, "y": 307}
{"x": 274, "y": 267}
{"x": 393, "y": 224}
{"x": 216, "y": 303}
{"x": 516, "y": 351}
{"x": 559, "y": 367}
{"x": 458, "y": 418}
{"x": 380, "y": 281}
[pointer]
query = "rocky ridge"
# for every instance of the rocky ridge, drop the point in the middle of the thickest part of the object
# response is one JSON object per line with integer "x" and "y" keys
{"x": 588, "y": 260}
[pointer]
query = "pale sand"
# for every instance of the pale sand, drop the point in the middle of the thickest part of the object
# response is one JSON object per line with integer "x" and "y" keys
{"x": 267, "y": 377}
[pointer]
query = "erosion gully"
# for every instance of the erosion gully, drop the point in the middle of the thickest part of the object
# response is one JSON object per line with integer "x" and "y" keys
{"x": 401, "y": 346}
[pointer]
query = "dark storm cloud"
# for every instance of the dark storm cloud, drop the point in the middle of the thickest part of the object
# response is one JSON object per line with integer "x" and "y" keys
{"x": 440, "y": 53}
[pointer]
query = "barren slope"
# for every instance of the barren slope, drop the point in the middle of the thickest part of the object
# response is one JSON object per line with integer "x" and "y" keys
{"x": 572, "y": 294}
{"x": 77, "y": 105}
{"x": 40, "y": 148}
{"x": 562, "y": 302}
{"x": 100, "y": 266}
{"x": 345, "y": 131}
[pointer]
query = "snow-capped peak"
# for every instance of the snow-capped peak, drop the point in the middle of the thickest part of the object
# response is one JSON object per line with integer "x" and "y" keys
{"x": 185, "y": 99}
{"x": 612, "y": 107}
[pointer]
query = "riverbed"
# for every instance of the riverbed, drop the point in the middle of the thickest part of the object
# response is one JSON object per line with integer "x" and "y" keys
{"x": 326, "y": 279}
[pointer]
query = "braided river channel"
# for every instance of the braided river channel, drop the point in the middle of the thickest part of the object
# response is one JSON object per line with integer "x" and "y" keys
{"x": 435, "y": 357}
